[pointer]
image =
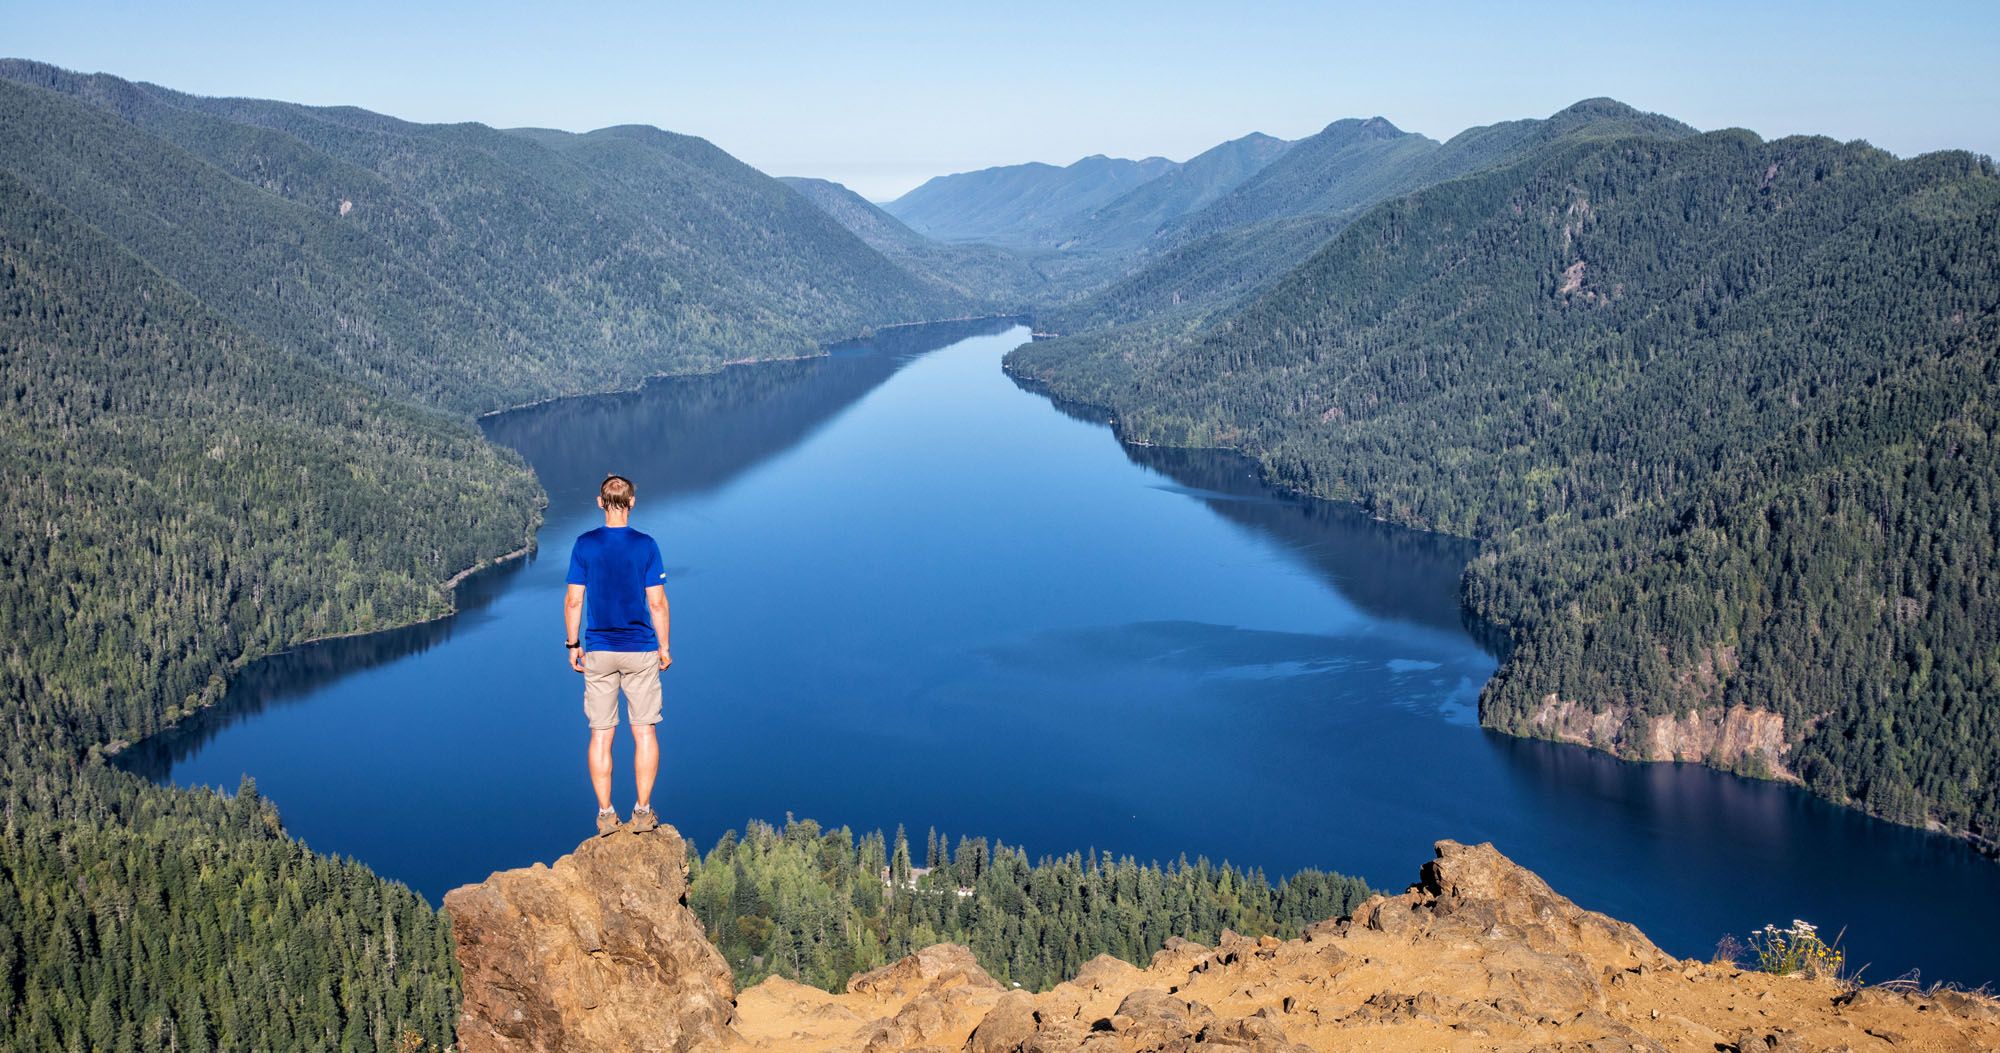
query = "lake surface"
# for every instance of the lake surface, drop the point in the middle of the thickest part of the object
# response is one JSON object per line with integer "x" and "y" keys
{"x": 907, "y": 590}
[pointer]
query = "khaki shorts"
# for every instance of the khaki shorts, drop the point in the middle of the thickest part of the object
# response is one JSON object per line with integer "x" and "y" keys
{"x": 637, "y": 672}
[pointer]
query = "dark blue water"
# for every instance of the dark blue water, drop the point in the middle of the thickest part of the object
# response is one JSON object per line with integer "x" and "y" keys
{"x": 906, "y": 590}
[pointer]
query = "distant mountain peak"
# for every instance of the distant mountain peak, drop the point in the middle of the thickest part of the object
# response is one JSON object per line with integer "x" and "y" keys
{"x": 1361, "y": 128}
{"x": 1617, "y": 115}
{"x": 1599, "y": 106}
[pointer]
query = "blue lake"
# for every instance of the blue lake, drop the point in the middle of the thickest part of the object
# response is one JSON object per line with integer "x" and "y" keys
{"x": 907, "y": 590}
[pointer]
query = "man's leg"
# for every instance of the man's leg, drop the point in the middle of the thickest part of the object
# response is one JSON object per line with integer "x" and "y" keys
{"x": 642, "y": 707}
{"x": 600, "y": 707}
{"x": 600, "y": 765}
{"x": 645, "y": 761}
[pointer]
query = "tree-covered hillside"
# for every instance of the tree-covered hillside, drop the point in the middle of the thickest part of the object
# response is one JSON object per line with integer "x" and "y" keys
{"x": 1134, "y": 219}
{"x": 456, "y": 265}
{"x": 817, "y": 905}
{"x": 179, "y": 497}
{"x": 988, "y": 277}
{"x": 1020, "y": 205}
{"x": 1721, "y": 407}
{"x": 1209, "y": 260}
{"x": 1348, "y": 164}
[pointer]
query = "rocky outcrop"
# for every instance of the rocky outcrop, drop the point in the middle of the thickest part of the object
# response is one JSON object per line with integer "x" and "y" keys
{"x": 1736, "y": 738}
{"x": 1479, "y": 954}
{"x": 598, "y": 952}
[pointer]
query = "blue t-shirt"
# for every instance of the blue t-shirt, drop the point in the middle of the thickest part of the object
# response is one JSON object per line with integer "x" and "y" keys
{"x": 615, "y": 566}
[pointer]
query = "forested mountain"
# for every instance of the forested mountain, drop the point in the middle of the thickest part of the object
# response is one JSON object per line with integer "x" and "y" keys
{"x": 1132, "y": 220}
{"x": 987, "y": 276}
{"x": 1722, "y": 410}
{"x": 420, "y": 258}
{"x": 1348, "y": 164}
{"x": 1020, "y": 205}
{"x": 1252, "y": 236}
{"x": 178, "y": 497}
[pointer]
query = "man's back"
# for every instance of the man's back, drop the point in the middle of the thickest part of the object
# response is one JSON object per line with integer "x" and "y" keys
{"x": 615, "y": 565}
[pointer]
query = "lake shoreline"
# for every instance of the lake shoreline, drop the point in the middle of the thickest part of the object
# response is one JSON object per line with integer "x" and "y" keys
{"x": 822, "y": 352}
{"x": 1988, "y": 847}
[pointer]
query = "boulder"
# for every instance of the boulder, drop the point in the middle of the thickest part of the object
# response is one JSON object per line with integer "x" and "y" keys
{"x": 935, "y": 967}
{"x": 1006, "y": 1026}
{"x": 598, "y": 951}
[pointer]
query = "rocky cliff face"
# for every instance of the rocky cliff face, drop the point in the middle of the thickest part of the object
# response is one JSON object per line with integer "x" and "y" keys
{"x": 1736, "y": 738}
{"x": 598, "y": 952}
{"x": 1480, "y": 954}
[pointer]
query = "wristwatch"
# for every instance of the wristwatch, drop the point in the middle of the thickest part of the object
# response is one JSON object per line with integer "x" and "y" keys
{"x": 572, "y": 644}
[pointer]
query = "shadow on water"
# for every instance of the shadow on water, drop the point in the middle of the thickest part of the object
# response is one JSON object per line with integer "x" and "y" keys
{"x": 297, "y": 673}
{"x": 740, "y": 416}
{"x": 736, "y": 418}
{"x": 1385, "y": 569}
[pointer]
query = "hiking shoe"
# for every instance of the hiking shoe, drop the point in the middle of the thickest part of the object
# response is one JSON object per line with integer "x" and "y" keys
{"x": 643, "y": 819}
{"x": 607, "y": 822}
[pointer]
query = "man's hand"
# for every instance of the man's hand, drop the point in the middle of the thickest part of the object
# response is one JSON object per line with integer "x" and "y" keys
{"x": 666, "y": 658}
{"x": 576, "y": 659}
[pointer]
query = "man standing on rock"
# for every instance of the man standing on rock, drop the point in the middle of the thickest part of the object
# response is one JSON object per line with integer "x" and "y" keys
{"x": 617, "y": 580}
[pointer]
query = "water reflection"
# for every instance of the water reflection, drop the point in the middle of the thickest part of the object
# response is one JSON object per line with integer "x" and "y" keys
{"x": 1388, "y": 570}
{"x": 295, "y": 675}
{"x": 686, "y": 435}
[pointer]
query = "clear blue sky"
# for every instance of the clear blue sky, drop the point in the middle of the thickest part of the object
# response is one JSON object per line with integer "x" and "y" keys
{"x": 882, "y": 96}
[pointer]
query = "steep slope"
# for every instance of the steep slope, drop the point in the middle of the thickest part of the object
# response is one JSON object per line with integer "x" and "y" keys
{"x": 1348, "y": 164}
{"x": 1479, "y": 954}
{"x": 176, "y": 498}
{"x": 986, "y": 276}
{"x": 1020, "y": 205}
{"x": 420, "y": 258}
{"x": 1248, "y": 239}
{"x": 1719, "y": 405}
{"x": 865, "y": 218}
{"x": 1136, "y": 217}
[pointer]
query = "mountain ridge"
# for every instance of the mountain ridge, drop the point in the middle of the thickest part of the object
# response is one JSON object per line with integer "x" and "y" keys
{"x": 1011, "y": 205}
{"x": 1134, "y": 218}
{"x": 988, "y": 276}
{"x": 1207, "y": 260}
{"x": 590, "y": 260}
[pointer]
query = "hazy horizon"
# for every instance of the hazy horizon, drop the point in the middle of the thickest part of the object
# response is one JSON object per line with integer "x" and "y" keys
{"x": 882, "y": 102}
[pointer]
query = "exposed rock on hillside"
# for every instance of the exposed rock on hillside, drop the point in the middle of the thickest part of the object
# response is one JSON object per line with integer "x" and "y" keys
{"x": 1733, "y": 739}
{"x": 1480, "y": 954}
{"x": 598, "y": 952}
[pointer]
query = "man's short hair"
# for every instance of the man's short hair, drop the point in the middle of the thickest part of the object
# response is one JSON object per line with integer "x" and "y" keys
{"x": 615, "y": 492}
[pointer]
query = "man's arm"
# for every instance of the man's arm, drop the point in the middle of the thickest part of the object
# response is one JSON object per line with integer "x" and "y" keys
{"x": 656, "y": 602}
{"x": 573, "y": 622}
